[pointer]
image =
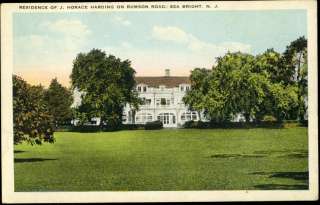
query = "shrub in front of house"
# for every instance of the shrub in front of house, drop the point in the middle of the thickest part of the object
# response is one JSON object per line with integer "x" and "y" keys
{"x": 86, "y": 128}
{"x": 304, "y": 123}
{"x": 154, "y": 125}
{"x": 196, "y": 124}
{"x": 132, "y": 127}
{"x": 189, "y": 124}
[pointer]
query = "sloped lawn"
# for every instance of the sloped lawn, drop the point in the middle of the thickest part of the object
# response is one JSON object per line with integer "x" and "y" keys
{"x": 170, "y": 159}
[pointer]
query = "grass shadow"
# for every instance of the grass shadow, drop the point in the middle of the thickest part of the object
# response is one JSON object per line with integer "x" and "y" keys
{"x": 286, "y": 153}
{"x": 237, "y": 156}
{"x": 30, "y": 160}
{"x": 290, "y": 175}
{"x": 303, "y": 151}
{"x": 282, "y": 186}
{"x": 299, "y": 176}
{"x": 18, "y": 151}
{"x": 296, "y": 155}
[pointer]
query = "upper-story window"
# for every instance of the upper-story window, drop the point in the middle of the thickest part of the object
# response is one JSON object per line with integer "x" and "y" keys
{"x": 184, "y": 87}
{"x": 146, "y": 101}
{"x": 142, "y": 88}
{"x": 163, "y": 102}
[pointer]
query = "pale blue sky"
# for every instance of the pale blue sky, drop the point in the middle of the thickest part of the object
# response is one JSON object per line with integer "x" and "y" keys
{"x": 46, "y": 44}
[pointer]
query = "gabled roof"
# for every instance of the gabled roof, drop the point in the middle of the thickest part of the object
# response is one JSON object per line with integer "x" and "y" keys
{"x": 168, "y": 81}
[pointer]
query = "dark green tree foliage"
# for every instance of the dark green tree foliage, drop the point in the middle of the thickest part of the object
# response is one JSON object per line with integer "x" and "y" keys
{"x": 268, "y": 84}
{"x": 31, "y": 120}
{"x": 242, "y": 88}
{"x": 271, "y": 64}
{"x": 59, "y": 100}
{"x": 281, "y": 100}
{"x": 199, "y": 88}
{"x": 106, "y": 84}
{"x": 296, "y": 58}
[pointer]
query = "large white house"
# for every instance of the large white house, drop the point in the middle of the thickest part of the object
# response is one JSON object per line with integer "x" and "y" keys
{"x": 162, "y": 97}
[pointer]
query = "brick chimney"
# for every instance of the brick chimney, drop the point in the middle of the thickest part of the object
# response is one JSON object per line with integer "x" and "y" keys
{"x": 167, "y": 72}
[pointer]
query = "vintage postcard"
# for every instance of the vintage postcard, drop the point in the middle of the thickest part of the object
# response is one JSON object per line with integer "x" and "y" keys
{"x": 159, "y": 101}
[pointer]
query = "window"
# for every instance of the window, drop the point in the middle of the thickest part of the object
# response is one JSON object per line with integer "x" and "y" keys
{"x": 139, "y": 88}
{"x": 124, "y": 118}
{"x": 188, "y": 116}
{"x": 158, "y": 102}
{"x": 148, "y": 101}
{"x": 181, "y": 88}
{"x": 143, "y": 117}
{"x": 187, "y": 88}
{"x": 143, "y": 101}
{"x": 145, "y": 89}
{"x": 167, "y": 118}
{"x": 163, "y": 101}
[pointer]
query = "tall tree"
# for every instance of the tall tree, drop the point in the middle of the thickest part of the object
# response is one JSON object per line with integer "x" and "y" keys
{"x": 59, "y": 100}
{"x": 32, "y": 121}
{"x": 296, "y": 58}
{"x": 242, "y": 87}
{"x": 106, "y": 83}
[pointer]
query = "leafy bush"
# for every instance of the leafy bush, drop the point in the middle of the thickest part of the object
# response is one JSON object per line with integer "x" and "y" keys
{"x": 131, "y": 127}
{"x": 226, "y": 125}
{"x": 304, "y": 123}
{"x": 86, "y": 128}
{"x": 155, "y": 125}
{"x": 189, "y": 124}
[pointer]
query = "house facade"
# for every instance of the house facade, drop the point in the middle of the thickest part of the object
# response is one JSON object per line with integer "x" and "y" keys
{"x": 162, "y": 100}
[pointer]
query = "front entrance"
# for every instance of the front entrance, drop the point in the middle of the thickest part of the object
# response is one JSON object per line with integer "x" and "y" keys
{"x": 167, "y": 119}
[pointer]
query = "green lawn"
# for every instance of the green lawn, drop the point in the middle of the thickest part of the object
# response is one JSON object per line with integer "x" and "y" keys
{"x": 171, "y": 159}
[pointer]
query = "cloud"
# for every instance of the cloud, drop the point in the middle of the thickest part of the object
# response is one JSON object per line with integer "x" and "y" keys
{"x": 179, "y": 36}
{"x": 71, "y": 28}
{"x": 122, "y": 21}
{"x": 190, "y": 52}
{"x": 126, "y": 44}
{"x": 55, "y": 45}
{"x": 169, "y": 33}
{"x": 73, "y": 33}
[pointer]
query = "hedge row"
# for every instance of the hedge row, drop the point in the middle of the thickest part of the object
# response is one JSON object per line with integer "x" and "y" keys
{"x": 262, "y": 124}
{"x": 189, "y": 124}
{"x": 94, "y": 128}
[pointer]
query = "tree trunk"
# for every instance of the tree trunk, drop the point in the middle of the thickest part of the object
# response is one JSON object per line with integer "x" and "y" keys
{"x": 133, "y": 117}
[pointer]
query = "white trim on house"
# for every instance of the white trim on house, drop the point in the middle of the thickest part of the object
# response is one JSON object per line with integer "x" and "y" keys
{"x": 162, "y": 103}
